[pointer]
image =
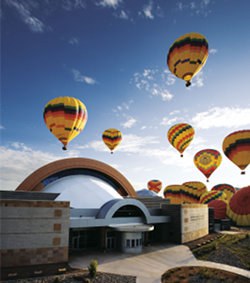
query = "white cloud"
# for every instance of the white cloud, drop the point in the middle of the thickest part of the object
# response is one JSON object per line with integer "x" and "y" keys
{"x": 1, "y": 127}
{"x": 201, "y": 7}
{"x": 155, "y": 82}
{"x": 69, "y": 5}
{"x": 125, "y": 106}
{"x": 129, "y": 123}
{"x": 166, "y": 122}
{"x": 109, "y": 3}
{"x": 123, "y": 15}
{"x": 74, "y": 41}
{"x": 222, "y": 117}
{"x": 24, "y": 10}
{"x": 78, "y": 77}
{"x": 18, "y": 161}
{"x": 213, "y": 51}
{"x": 198, "y": 80}
{"x": 148, "y": 11}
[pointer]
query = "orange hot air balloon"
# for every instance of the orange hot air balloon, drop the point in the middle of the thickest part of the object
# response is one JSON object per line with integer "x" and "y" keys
{"x": 112, "y": 138}
{"x": 187, "y": 55}
{"x": 207, "y": 161}
{"x": 180, "y": 136}
{"x": 192, "y": 191}
{"x": 154, "y": 185}
{"x": 173, "y": 193}
{"x": 236, "y": 147}
{"x": 65, "y": 117}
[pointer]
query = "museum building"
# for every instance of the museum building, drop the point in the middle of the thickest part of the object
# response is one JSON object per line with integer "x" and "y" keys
{"x": 80, "y": 204}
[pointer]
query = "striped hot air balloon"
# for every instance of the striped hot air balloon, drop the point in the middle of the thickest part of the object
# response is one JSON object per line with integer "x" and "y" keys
{"x": 207, "y": 161}
{"x": 226, "y": 188}
{"x": 236, "y": 146}
{"x": 192, "y": 191}
{"x": 239, "y": 207}
{"x": 173, "y": 193}
{"x": 65, "y": 117}
{"x": 207, "y": 197}
{"x": 154, "y": 185}
{"x": 112, "y": 138}
{"x": 180, "y": 136}
{"x": 187, "y": 55}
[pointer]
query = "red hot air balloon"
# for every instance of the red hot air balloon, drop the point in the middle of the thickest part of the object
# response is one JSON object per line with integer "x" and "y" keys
{"x": 207, "y": 161}
{"x": 154, "y": 185}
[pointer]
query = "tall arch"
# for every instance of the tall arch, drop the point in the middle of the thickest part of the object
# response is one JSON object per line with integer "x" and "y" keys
{"x": 34, "y": 182}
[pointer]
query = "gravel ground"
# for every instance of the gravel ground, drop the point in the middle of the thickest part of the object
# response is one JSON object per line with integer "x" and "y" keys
{"x": 78, "y": 277}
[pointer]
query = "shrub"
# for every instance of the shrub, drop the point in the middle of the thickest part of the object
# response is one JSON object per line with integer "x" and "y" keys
{"x": 93, "y": 268}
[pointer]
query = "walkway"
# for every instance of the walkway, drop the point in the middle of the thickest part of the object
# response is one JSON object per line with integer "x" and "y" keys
{"x": 151, "y": 264}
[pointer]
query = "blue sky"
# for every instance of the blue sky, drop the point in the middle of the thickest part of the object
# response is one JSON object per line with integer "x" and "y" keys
{"x": 111, "y": 54}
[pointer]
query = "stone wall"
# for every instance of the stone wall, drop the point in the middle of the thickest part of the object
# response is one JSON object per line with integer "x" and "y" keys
{"x": 33, "y": 232}
{"x": 188, "y": 221}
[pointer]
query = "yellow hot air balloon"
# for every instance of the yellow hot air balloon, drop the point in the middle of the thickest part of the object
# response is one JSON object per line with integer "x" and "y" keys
{"x": 192, "y": 191}
{"x": 187, "y": 55}
{"x": 173, "y": 193}
{"x": 65, "y": 117}
{"x": 207, "y": 161}
{"x": 180, "y": 136}
{"x": 112, "y": 138}
{"x": 236, "y": 147}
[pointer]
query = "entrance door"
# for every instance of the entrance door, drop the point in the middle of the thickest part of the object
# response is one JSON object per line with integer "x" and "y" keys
{"x": 110, "y": 240}
{"x": 111, "y": 243}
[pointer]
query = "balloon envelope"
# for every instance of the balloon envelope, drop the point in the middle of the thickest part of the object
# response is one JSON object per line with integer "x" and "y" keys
{"x": 220, "y": 208}
{"x": 112, "y": 138}
{"x": 154, "y": 185}
{"x": 173, "y": 193}
{"x": 226, "y": 188}
{"x": 192, "y": 191}
{"x": 239, "y": 207}
{"x": 187, "y": 55}
{"x": 180, "y": 136}
{"x": 207, "y": 197}
{"x": 207, "y": 161}
{"x": 65, "y": 117}
{"x": 236, "y": 147}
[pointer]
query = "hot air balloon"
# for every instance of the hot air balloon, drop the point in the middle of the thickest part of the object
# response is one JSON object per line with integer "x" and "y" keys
{"x": 239, "y": 207}
{"x": 226, "y": 188}
{"x": 236, "y": 147}
{"x": 207, "y": 197}
{"x": 187, "y": 55}
{"x": 173, "y": 193}
{"x": 180, "y": 136}
{"x": 65, "y": 117}
{"x": 112, "y": 138}
{"x": 154, "y": 185}
{"x": 220, "y": 208}
{"x": 207, "y": 161}
{"x": 192, "y": 191}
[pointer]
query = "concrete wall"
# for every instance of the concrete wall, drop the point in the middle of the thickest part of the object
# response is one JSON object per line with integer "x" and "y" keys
{"x": 194, "y": 221}
{"x": 33, "y": 232}
{"x": 188, "y": 221}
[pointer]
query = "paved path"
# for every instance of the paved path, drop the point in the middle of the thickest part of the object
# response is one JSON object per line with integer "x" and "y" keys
{"x": 151, "y": 264}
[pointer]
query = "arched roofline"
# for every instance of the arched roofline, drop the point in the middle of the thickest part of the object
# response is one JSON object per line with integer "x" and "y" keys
{"x": 109, "y": 208}
{"x": 34, "y": 181}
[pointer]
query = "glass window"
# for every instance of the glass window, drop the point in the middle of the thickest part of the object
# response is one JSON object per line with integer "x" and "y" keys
{"x": 128, "y": 243}
{"x": 133, "y": 243}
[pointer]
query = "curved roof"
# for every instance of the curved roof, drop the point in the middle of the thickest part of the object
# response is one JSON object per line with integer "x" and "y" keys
{"x": 42, "y": 177}
{"x": 82, "y": 191}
